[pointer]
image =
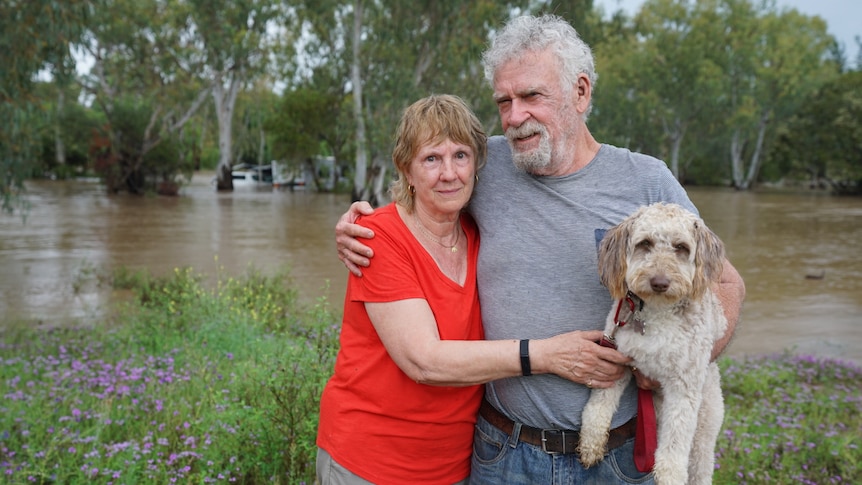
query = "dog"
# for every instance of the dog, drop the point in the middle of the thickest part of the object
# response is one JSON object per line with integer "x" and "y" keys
{"x": 659, "y": 264}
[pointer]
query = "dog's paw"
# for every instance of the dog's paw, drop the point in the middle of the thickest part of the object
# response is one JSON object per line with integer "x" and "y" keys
{"x": 591, "y": 446}
{"x": 590, "y": 457}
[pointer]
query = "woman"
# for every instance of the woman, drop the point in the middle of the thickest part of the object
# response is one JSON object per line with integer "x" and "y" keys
{"x": 401, "y": 406}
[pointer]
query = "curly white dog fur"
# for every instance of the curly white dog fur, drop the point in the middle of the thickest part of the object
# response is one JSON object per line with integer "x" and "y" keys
{"x": 667, "y": 257}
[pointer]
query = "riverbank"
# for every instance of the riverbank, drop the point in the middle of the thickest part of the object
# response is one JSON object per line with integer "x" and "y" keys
{"x": 74, "y": 229}
{"x": 190, "y": 383}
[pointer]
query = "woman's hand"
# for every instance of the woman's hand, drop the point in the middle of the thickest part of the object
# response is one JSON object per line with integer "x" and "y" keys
{"x": 351, "y": 252}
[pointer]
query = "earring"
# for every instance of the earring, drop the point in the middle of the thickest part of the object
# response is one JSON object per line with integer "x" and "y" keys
{"x": 477, "y": 178}
{"x": 411, "y": 189}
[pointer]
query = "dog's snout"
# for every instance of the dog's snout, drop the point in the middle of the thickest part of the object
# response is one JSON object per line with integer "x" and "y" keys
{"x": 659, "y": 284}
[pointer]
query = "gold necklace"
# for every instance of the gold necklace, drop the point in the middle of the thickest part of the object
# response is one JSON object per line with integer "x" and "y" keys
{"x": 433, "y": 238}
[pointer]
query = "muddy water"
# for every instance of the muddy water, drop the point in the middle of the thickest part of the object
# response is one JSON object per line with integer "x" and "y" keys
{"x": 801, "y": 258}
{"x": 74, "y": 231}
{"x": 799, "y": 253}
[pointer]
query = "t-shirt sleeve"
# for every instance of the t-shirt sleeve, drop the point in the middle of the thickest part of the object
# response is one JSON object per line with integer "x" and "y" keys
{"x": 674, "y": 192}
{"x": 392, "y": 274}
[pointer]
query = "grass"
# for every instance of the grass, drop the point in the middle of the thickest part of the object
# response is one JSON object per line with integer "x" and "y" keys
{"x": 188, "y": 385}
{"x": 790, "y": 419}
{"x": 195, "y": 383}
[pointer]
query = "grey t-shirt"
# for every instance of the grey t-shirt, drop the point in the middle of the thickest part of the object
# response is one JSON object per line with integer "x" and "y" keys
{"x": 537, "y": 271}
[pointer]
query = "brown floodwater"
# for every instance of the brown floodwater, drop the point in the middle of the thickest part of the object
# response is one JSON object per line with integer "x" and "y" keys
{"x": 798, "y": 253}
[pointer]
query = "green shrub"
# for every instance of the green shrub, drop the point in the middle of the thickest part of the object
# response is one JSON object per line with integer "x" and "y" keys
{"x": 198, "y": 384}
{"x": 188, "y": 384}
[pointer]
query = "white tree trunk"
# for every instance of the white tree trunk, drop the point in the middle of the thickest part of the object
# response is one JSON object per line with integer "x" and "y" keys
{"x": 225, "y": 99}
{"x": 379, "y": 195}
{"x": 261, "y": 146}
{"x": 675, "y": 147}
{"x": 675, "y": 134}
{"x": 754, "y": 167}
{"x": 59, "y": 146}
{"x": 360, "y": 176}
{"x": 736, "y": 160}
{"x": 742, "y": 179}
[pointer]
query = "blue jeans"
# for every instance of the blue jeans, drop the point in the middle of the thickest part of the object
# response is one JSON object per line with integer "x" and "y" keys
{"x": 499, "y": 458}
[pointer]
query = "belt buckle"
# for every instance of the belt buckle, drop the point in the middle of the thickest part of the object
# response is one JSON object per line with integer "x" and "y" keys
{"x": 561, "y": 434}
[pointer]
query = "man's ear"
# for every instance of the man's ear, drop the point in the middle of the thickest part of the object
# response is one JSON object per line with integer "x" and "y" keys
{"x": 583, "y": 92}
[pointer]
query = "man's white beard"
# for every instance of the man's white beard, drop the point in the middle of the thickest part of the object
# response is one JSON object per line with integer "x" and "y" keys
{"x": 537, "y": 160}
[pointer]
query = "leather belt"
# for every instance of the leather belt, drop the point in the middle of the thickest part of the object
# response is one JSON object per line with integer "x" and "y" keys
{"x": 553, "y": 440}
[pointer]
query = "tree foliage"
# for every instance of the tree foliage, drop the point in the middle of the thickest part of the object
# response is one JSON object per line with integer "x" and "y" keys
{"x": 305, "y": 119}
{"x": 585, "y": 18}
{"x": 779, "y": 58}
{"x": 67, "y": 126}
{"x": 139, "y": 60}
{"x": 703, "y": 83}
{"x": 229, "y": 44}
{"x": 714, "y": 87}
{"x": 407, "y": 50}
{"x": 823, "y": 140}
{"x": 35, "y": 36}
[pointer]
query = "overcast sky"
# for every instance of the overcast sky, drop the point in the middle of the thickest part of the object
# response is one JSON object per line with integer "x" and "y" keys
{"x": 843, "y": 17}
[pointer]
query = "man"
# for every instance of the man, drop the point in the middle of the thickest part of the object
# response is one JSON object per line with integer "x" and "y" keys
{"x": 543, "y": 201}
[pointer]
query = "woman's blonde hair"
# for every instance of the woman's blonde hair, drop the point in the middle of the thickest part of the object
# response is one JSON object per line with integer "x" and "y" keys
{"x": 432, "y": 120}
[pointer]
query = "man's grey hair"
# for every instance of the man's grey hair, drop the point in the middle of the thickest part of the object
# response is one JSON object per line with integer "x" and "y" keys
{"x": 536, "y": 34}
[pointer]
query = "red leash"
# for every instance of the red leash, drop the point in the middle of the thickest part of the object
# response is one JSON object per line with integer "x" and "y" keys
{"x": 646, "y": 435}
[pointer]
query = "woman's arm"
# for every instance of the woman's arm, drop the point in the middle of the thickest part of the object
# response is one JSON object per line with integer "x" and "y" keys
{"x": 409, "y": 332}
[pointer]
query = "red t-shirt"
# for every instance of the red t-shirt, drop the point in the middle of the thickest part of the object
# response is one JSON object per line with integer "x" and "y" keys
{"x": 374, "y": 419}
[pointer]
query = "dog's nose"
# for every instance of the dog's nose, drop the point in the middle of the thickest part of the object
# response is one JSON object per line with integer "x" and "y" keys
{"x": 659, "y": 284}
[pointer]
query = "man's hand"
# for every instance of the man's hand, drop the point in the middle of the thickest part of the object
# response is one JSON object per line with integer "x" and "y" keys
{"x": 577, "y": 357}
{"x": 351, "y": 252}
{"x": 645, "y": 382}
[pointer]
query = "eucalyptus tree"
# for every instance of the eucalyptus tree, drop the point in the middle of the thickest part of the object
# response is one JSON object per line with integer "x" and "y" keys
{"x": 305, "y": 125}
{"x": 623, "y": 111}
{"x": 357, "y": 83}
{"x": 656, "y": 81}
{"x": 320, "y": 112}
{"x": 255, "y": 106}
{"x": 670, "y": 74}
{"x": 773, "y": 61}
{"x": 583, "y": 15}
{"x": 714, "y": 76}
{"x": 138, "y": 70}
{"x": 174, "y": 54}
{"x": 823, "y": 140}
{"x": 231, "y": 43}
{"x": 624, "y": 108}
{"x": 66, "y": 130}
{"x": 35, "y": 35}
{"x": 412, "y": 50}
{"x": 434, "y": 47}
{"x": 390, "y": 54}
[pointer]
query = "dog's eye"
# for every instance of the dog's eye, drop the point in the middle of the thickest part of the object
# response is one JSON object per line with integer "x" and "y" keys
{"x": 645, "y": 244}
{"x": 681, "y": 248}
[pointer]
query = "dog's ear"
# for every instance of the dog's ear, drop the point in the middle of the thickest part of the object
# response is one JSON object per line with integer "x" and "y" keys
{"x": 612, "y": 258}
{"x": 708, "y": 258}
